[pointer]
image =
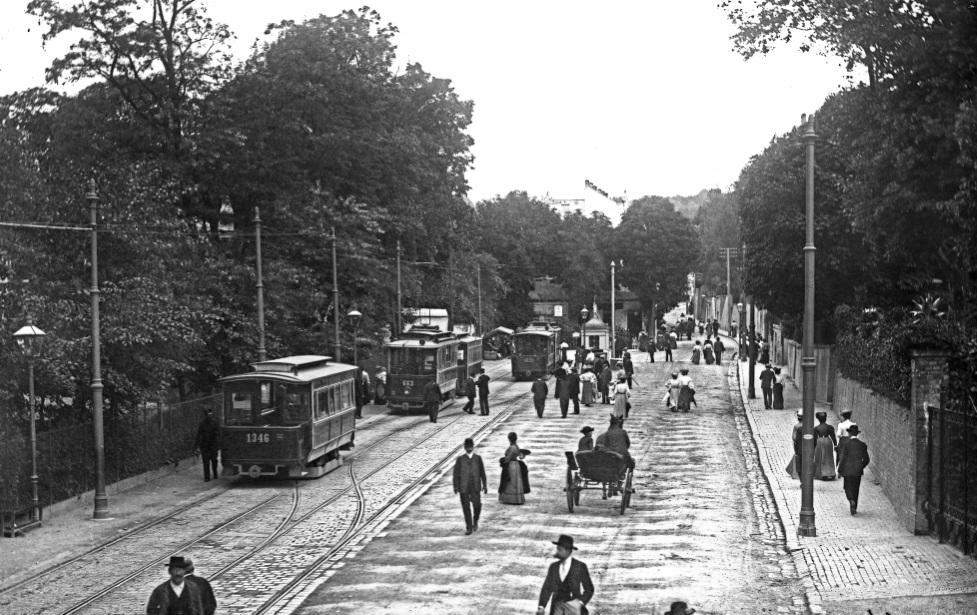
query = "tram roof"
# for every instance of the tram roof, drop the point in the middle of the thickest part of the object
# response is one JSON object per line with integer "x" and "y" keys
{"x": 298, "y": 368}
{"x": 421, "y": 343}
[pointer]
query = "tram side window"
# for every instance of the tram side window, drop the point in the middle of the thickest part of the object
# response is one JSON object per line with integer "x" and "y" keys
{"x": 347, "y": 394}
{"x": 324, "y": 405}
{"x": 239, "y": 408}
{"x": 296, "y": 405}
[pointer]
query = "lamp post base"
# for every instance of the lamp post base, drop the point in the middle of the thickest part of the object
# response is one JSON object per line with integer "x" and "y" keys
{"x": 102, "y": 509}
{"x": 806, "y": 527}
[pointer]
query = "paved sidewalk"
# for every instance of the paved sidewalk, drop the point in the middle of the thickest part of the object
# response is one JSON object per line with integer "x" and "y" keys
{"x": 862, "y": 563}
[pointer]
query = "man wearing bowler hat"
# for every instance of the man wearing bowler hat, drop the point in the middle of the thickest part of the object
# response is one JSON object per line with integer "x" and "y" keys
{"x": 852, "y": 459}
{"x": 469, "y": 482}
{"x": 567, "y": 581}
{"x": 176, "y": 596}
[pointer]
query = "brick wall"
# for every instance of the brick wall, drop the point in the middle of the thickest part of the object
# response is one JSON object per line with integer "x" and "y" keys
{"x": 896, "y": 435}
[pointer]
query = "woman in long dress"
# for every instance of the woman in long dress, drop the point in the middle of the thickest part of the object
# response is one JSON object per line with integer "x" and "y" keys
{"x": 511, "y": 487}
{"x": 686, "y": 396}
{"x": 778, "y": 389}
{"x": 587, "y": 379}
{"x": 621, "y": 395}
{"x": 696, "y": 352}
{"x": 707, "y": 352}
{"x": 824, "y": 449}
{"x": 674, "y": 388}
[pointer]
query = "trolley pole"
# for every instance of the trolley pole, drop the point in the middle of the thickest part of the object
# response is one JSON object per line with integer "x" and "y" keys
{"x": 335, "y": 301}
{"x": 806, "y": 527}
{"x": 101, "y": 499}
{"x": 262, "y": 351}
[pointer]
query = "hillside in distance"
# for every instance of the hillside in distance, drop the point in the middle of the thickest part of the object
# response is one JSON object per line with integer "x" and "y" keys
{"x": 689, "y": 205}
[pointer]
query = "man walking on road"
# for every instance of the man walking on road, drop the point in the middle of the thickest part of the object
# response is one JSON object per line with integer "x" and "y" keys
{"x": 469, "y": 482}
{"x": 206, "y": 591}
{"x": 766, "y": 384}
{"x": 563, "y": 393}
{"x": 470, "y": 394}
{"x": 176, "y": 596}
{"x": 540, "y": 391}
{"x": 718, "y": 347}
{"x": 567, "y": 581}
{"x": 208, "y": 443}
{"x": 852, "y": 459}
{"x": 573, "y": 380}
{"x": 432, "y": 400}
{"x": 482, "y": 384}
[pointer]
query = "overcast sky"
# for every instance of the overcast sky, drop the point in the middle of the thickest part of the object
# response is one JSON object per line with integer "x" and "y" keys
{"x": 645, "y": 97}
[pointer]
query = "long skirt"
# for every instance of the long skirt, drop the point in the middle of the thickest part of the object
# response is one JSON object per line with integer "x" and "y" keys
{"x": 794, "y": 467}
{"x": 685, "y": 398}
{"x": 674, "y": 392}
{"x": 620, "y": 404}
{"x": 824, "y": 459}
{"x": 707, "y": 353}
{"x": 695, "y": 356}
{"x": 588, "y": 393}
{"x": 778, "y": 396}
{"x": 514, "y": 490}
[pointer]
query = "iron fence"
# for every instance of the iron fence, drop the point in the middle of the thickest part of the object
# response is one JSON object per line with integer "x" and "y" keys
{"x": 145, "y": 438}
{"x": 952, "y": 493}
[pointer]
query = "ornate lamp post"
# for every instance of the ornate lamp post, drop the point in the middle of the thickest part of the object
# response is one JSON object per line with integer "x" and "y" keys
{"x": 583, "y": 328}
{"x": 751, "y": 391}
{"x": 30, "y": 339}
{"x": 809, "y": 363}
{"x": 101, "y": 511}
{"x": 739, "y": 329}
{"x": 354, "y": 317}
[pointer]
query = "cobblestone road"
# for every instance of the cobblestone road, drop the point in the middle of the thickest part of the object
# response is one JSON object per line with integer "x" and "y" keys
{"x": 702, "y": 528}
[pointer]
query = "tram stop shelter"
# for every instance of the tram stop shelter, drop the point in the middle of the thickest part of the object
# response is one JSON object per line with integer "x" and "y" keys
{"x": 493, "y": 340}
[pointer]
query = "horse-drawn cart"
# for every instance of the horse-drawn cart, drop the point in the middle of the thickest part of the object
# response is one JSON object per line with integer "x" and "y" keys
{"x": 598, "y": 469}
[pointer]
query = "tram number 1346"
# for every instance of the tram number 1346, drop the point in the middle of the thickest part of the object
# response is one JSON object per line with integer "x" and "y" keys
{"x": 258, "y": 437}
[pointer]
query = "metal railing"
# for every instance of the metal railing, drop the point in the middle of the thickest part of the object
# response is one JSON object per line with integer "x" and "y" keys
{"x": 951, "y": 505}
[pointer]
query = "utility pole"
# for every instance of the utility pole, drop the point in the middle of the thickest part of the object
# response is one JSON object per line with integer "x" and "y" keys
{"x": 101, "y": 499}
{"x": 335, "y": 302}
{"x": 809, "y": 362}
{"x": 729, "y": 291}
{"x": 262, "y": 352}
{"x": 612, "y": 310}
{"x": 751, "y": 391}
{"x": 400, "y": 307}
{"x": 478, "y": 273}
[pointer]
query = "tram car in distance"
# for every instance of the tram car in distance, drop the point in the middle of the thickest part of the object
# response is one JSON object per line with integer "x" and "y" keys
{"x": 537, "y": 350}
{"x": 469, "y": 361}
{"x": 290, "y": 417}
{"x": 424, "y": 353}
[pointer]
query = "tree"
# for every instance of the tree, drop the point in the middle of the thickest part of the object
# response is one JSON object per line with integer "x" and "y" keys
{"x": 656, "y": 248}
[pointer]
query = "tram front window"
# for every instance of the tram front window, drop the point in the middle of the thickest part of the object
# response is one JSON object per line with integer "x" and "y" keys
{"x": 263, "y": 402}
{"x": 413, "y": 361}
{"x": 531, "y": 345}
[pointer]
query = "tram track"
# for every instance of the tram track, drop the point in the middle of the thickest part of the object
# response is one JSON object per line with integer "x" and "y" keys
{"x": 288, "y": 521}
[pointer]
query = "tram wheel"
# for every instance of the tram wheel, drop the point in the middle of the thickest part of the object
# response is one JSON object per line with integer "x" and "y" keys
{"x": 569, "y": 490}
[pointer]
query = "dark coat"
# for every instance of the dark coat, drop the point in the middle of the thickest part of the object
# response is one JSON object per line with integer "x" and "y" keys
{"x": 469, "y": 474}
{"x": 470, "y": 387}
{"x": 159, "y": 600}
{"x": 432, "y": 392}
{"x": 482, "y": 384}
{"x": 577, "y": 585}
{"x": 206, "y": 593}
{"x": 208, "y": 435}
{"x": 573, "y": 381}
{"x": 586, "y": 444}
{"x": 718, "y": 346}
{"x": 766, "y": 378}
{"x": 504, "y": 479}
{"x": 628, "y": 366}
{"x": 539, "y": 389}
{"x": 852, "y": 458}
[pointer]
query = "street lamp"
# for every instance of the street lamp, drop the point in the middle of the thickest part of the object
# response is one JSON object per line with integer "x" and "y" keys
{"x": 30, "y": 339}
{"x": 583, "y": 335}
{"x": 354, "y": 317}
{"x": 739, "y": 329}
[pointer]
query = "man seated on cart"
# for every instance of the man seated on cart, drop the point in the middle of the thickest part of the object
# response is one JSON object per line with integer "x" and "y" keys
{"x": 616, "y": 439}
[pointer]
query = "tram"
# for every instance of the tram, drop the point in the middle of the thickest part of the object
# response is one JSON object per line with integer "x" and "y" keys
{"x": 469, "y": 361}
{"x": 290, "y": 417}
{"x": 424, "y": 353}
{"x": 537, "y": 350}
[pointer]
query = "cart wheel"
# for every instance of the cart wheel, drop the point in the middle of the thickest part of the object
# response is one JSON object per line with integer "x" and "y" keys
{"x": 627, "y": 490}
{"x": 569, "y": 490}
{"x": 624, "y": 499}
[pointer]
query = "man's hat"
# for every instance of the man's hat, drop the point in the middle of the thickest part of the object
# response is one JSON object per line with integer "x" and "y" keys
{"x": 565, "y": 541}
{"x": 674, "y": 374}
{"x": 767, "y": 366}
{"x": 178, "y": 561}
{"x": 800, "y": 413}
{"x": 469, "y": 442}
{"x": 846, "y": 413}
{"x": 853, "y": 428}
{"x": 679, "y": 608}
{"x": 685, "y": 370}
{"x": 586, "y": 429}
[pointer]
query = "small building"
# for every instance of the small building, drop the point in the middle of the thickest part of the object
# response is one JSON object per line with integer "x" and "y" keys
{"x": 627, "y": 310}
{"x": 548, "y": 298}
{"x": 596, "y": 332}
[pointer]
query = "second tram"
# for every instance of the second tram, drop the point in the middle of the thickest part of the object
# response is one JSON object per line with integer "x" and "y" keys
{"x": 537, "y": 350}
{"x": 424, "y": 353}
{"x": 469, "y": 361}
{"x": 290, "y": 417}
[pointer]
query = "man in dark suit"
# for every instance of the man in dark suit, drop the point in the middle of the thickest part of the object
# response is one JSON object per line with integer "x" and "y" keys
{"x": 208, "y": 442}
{"x": 483, "y": 392}
{"x": 432, "y": 400}
{"x": 469, "y": 482}
{"x": 176, "y": 595}
{"x": 573, "y": 381}
{"x": 540, "y": 391}
{"x": 567, "y": 581}
{"x": 766, "y": 384}
{"x": 718, "y": 347}
{"x": 852, "y": 459}
{"x": 470, "y": 394}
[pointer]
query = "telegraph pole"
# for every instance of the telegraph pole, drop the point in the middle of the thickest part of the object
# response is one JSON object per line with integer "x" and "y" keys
{"x": 400, "y": 307}
{"x": 478, "y": 273}
{"x": 751, "y": 391}
{"x": 612, "y": 309}
{"x": 809, "y": 363}
{"x": 729, "y": 292}
{"x": 335, "y": 301}
{"x": 101, "y": 499}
